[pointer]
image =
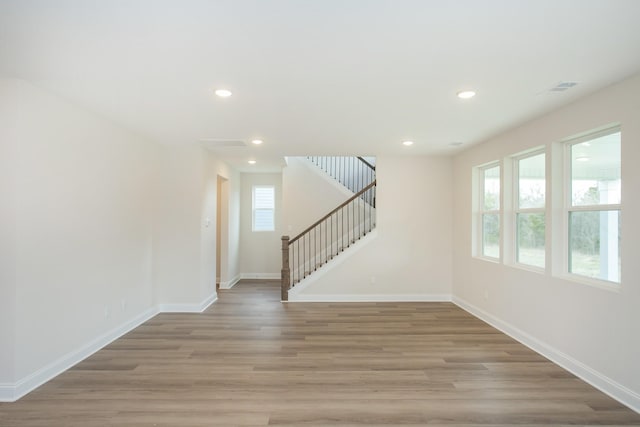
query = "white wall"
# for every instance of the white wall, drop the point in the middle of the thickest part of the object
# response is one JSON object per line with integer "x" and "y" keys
{"x": 409, "y": 257}
{"x": 84, "y": 202}
{"x": 208, "y": 218}
{"x": 8, "y": 118}
{"x": 185, "y": 226}
{"x": 307, "y": 195}
{"x": 233, "y": 249}
{"x": 230, "y": 241}
{"x": 261, "y": 256}
{"x": 593, "y": 332}
{"x": 177, "y": 243}
{"x": 100, "y": 229}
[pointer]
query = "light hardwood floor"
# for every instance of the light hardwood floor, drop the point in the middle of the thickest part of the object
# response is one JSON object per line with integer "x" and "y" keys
{"x": 250, "y": 360}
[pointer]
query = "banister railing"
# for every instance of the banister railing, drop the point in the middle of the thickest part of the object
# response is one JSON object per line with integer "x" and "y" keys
{"x": 355, "y": 173}
{"x": 327, "y": 237}
{"x": 369, "y": 165}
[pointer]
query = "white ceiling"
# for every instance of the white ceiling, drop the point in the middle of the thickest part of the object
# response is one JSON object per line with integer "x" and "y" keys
{"x": 319, "y": 77}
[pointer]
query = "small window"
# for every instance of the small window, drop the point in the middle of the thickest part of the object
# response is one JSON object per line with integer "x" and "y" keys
{"x": 530, "y": 210}
{"x": 594, "y": 207}
{"x": 263, "y": 208}
{"x": 490, "y": 212}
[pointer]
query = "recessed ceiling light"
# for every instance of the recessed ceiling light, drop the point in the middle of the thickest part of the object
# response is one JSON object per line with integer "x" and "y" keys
{"x": 252, "y": 162}
{"x": 256, "y": 142}
{"x": 583, "y": 158}
{"x": 407, "y": 143}
{"x": 223, "y": 93}
{"x": 466, "y": 94}
{"x": 455, "y": 143}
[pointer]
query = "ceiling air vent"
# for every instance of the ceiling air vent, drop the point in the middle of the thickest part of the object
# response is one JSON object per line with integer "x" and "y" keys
{"x": 562, "y": 86}
{"x": 222, "y": 143}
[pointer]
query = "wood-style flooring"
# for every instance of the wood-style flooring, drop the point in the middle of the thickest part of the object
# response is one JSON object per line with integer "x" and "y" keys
{"x": 251, "y": 360}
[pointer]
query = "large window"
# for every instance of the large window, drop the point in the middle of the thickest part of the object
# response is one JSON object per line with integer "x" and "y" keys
{"x": 263, "y": 208}
{"x": 555, "y": 208}
{"x": 490, "y": 211}
{"x": 594, "y": 206}
{"x": 530, "y": 209}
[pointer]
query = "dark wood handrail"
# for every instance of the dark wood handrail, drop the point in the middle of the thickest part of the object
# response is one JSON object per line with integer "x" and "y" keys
{"x": 351, "y": 199}
{"x": 367, "y": 163}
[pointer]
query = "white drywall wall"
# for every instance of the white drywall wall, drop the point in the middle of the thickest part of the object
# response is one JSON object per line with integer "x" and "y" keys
{"x": 85, "y": 203}
{"x": 261, "y": 256}
{"x": 410, "y": 258}
{"x": 233, "y": 250}
{"x": 100, "y": 228}
{"x": 230, "y": 256}
{"x": 307, "y": 195}
{"x": 179, "y": 224}
{"x": 185, "y": 230}
{"x": 9, "y": 112}
{"x": 593, "y": 331}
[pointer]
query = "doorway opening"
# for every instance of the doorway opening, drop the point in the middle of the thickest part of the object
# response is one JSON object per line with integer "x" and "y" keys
{"x": 222, "y": 228}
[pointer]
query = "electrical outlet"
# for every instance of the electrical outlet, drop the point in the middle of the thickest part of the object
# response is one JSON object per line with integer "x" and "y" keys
{"x": 123, "y": 305}
{"x": 107, "y": 312}
{"x": 373, "y": 279}
{"x": 486, "y": 294}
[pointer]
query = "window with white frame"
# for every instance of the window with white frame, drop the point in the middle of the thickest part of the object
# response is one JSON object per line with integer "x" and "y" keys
{"x": 593, "y": 205}
{"x": 529, "y": 209}
{"x": 489, "y": 211}
{"x": 263, "y": 210}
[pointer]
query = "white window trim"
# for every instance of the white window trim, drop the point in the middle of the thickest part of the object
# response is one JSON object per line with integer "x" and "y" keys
{"x": 513, "y": 221}
{"x": 558, "y": 205}
{"x": 479, "y": 247}
{"x": 568, "y": 208}
{"x": 253, "y": 209}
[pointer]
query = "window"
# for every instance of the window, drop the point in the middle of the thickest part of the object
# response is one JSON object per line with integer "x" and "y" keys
{"x": 593, "y": 212}
{"x": 530, "y": 209}
{"x": 263, "y": 208}
{"x": 490, "y": 211}
{"x": 513, "y": 203}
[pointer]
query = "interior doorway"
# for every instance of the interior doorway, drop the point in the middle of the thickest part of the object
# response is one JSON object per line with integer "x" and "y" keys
{"x": 222, "y": 229}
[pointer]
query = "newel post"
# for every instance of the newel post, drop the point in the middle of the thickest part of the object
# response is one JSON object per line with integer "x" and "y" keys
{"x": 285, "y": 274}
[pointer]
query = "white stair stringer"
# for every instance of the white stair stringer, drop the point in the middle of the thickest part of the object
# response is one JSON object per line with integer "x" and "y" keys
{"x": 333, "y": 263}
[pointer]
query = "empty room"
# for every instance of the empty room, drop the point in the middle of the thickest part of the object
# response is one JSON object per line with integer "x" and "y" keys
{"x": 288, "y": 212}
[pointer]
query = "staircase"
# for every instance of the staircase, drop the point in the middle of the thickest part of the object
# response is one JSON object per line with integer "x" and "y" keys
{"x": 354, "y": 173}
{"x": 336, "y": 231}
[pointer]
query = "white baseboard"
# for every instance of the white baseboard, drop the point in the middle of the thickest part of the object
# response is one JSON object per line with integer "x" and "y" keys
{"x": 372, "y": 298}
{"x": 260, "y": 276}
{"x": 13, "y": 392}
{"x": 8, "y": 392}
{"x": 603, "y": 383}
{"x": 229, "y": 284}
{"x": 188, "y": 308}
{"x": 257, "y": 276}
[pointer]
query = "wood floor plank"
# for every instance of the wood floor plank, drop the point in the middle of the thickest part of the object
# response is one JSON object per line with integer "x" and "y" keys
{"x": 250, "y": 360}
